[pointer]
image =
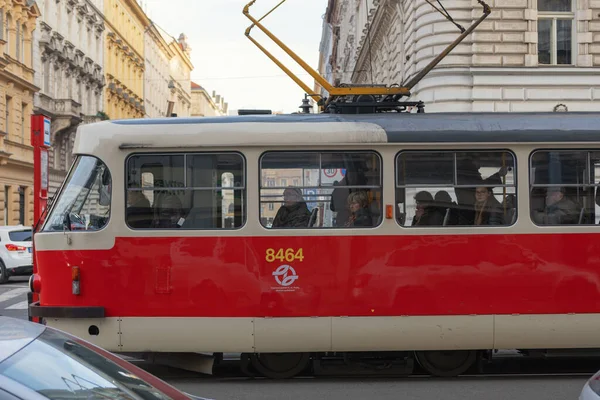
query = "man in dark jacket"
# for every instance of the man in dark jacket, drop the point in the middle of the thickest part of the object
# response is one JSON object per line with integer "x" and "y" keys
{"x": 559, "y": 209}
{"x": 294, "y": 213}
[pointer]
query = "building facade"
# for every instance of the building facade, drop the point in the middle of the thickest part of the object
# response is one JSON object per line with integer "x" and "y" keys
{"x": 180, "y": 70}
{"x": 124, "y": 62}
{"x": 158, "y": 56}
{"x": 528, "y": 55}
{"x": 17, "y": 87}
{"x": 206, "y": 105}
{"x": 68, "y": 58}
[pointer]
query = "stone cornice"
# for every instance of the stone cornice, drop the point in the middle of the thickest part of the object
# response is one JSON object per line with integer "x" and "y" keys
{"x": 124, "y": 48}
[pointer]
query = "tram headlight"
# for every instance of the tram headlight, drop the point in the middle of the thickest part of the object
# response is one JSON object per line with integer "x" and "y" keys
{"x": 594, "y": 383}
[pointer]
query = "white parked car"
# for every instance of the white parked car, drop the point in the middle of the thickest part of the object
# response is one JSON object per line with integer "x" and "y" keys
{"x": 15, "y": 252}
{"x": 591, "y": 390}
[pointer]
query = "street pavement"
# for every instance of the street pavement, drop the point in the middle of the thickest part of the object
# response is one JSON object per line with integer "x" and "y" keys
{"x": 549, "y": 383}
{"x": 13, "y": 297}
{"x": 488, "y": 388}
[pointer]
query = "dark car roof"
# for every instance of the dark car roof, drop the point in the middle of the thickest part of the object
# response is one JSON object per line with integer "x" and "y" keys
{"x": 16, "y": 334}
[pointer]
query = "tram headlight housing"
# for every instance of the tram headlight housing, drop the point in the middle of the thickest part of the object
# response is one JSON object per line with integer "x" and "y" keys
{"x": 35, "y": 283}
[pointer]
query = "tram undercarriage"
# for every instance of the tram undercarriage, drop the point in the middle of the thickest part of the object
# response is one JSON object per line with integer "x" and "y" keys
{"x": 393, "y": 363}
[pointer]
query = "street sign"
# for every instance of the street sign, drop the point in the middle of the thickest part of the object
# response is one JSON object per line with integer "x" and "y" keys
{"x": 41, "y": 142}
{"x": 330, "y": 173}
{"x": 47, "y": 131}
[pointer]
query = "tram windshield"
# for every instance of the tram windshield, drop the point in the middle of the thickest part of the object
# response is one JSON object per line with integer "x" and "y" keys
{"x": 84, "y": 202}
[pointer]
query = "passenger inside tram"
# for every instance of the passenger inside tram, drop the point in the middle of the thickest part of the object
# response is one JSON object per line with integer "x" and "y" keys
{"x": 427, "y": 214}
{"x": 139, "y": 211}
{"x": 488, "y": 210}
{"x": 169, "y": 213}
{"x": 468, "y": 173}
{"x": 559, "y": 209}
{"x": 360, "y": 214}
{"x": 446, "y": 206}
{"x": 294, "y": 212}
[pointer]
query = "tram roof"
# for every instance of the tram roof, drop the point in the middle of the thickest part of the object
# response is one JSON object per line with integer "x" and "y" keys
{"x": 314, "y": 129}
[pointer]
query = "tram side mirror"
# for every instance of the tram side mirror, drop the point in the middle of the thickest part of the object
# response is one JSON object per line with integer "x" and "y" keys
{"x": 104, "y": 191}
{"x": 105, "y": 178}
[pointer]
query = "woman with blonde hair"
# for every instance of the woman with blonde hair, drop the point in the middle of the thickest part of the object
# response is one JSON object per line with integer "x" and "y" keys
{"x": 358, "y": 203}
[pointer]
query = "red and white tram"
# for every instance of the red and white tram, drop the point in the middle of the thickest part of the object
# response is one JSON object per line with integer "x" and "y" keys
{"x": 481, "y": 233}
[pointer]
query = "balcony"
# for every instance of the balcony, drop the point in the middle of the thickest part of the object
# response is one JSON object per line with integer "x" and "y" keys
{"x": 60, "y": 107}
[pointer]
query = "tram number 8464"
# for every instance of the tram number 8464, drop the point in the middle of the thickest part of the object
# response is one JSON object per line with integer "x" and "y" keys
{"x": 288, "y": 255}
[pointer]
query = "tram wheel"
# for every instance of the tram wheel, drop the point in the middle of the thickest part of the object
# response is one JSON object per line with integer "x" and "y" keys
{"x": 280, "y": 365}
{"x": 446, "y": 363}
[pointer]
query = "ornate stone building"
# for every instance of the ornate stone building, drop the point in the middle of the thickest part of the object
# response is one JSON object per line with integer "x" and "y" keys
{"x": 206, "y": 105}
{"x": 529, "y": 55}
{"x": 124, "y": 64}
{"x": 180, "y": 70}
{"x": 17, "y": 88}
{"x": 158, "y": 55}
{"x": 68, "y": 59}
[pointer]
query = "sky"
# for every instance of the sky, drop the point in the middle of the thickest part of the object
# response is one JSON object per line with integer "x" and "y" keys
{"x": 229, "y": 63}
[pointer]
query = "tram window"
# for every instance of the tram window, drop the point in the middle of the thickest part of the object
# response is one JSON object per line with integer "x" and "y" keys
{"x": 565, "y": 187}
{"x": 84, "y": 202}
{"x": 455, "y": 188}
{"x": 319, "y": 190}
{"x": 186, "y": 191}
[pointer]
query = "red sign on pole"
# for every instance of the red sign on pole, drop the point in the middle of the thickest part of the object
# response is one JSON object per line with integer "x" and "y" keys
{"x": 40, "y": 140}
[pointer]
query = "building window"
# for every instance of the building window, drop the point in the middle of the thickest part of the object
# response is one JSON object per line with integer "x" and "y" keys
{"x": 188, "y": 191}
{"x": 556, "y": 22}
{"x": 564, "y": 187}
{"x": 22, "y": 54}
{"x": 447, "y": 188}
{"x": 21, "y": 205}
{"x": 47, "y": 76}
{"x": 18, "y": 42}
{"x": 2, "y": 35}
{"x": 6, "y": 203}
{"x": 7, "y": 121}
{"x": 7, "y": 33}
{"x": 335, "y": 190}
{"x": 23, "y": 115}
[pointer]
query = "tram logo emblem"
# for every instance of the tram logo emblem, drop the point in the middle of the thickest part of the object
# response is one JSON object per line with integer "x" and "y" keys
{"x": 285, "y": 275}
